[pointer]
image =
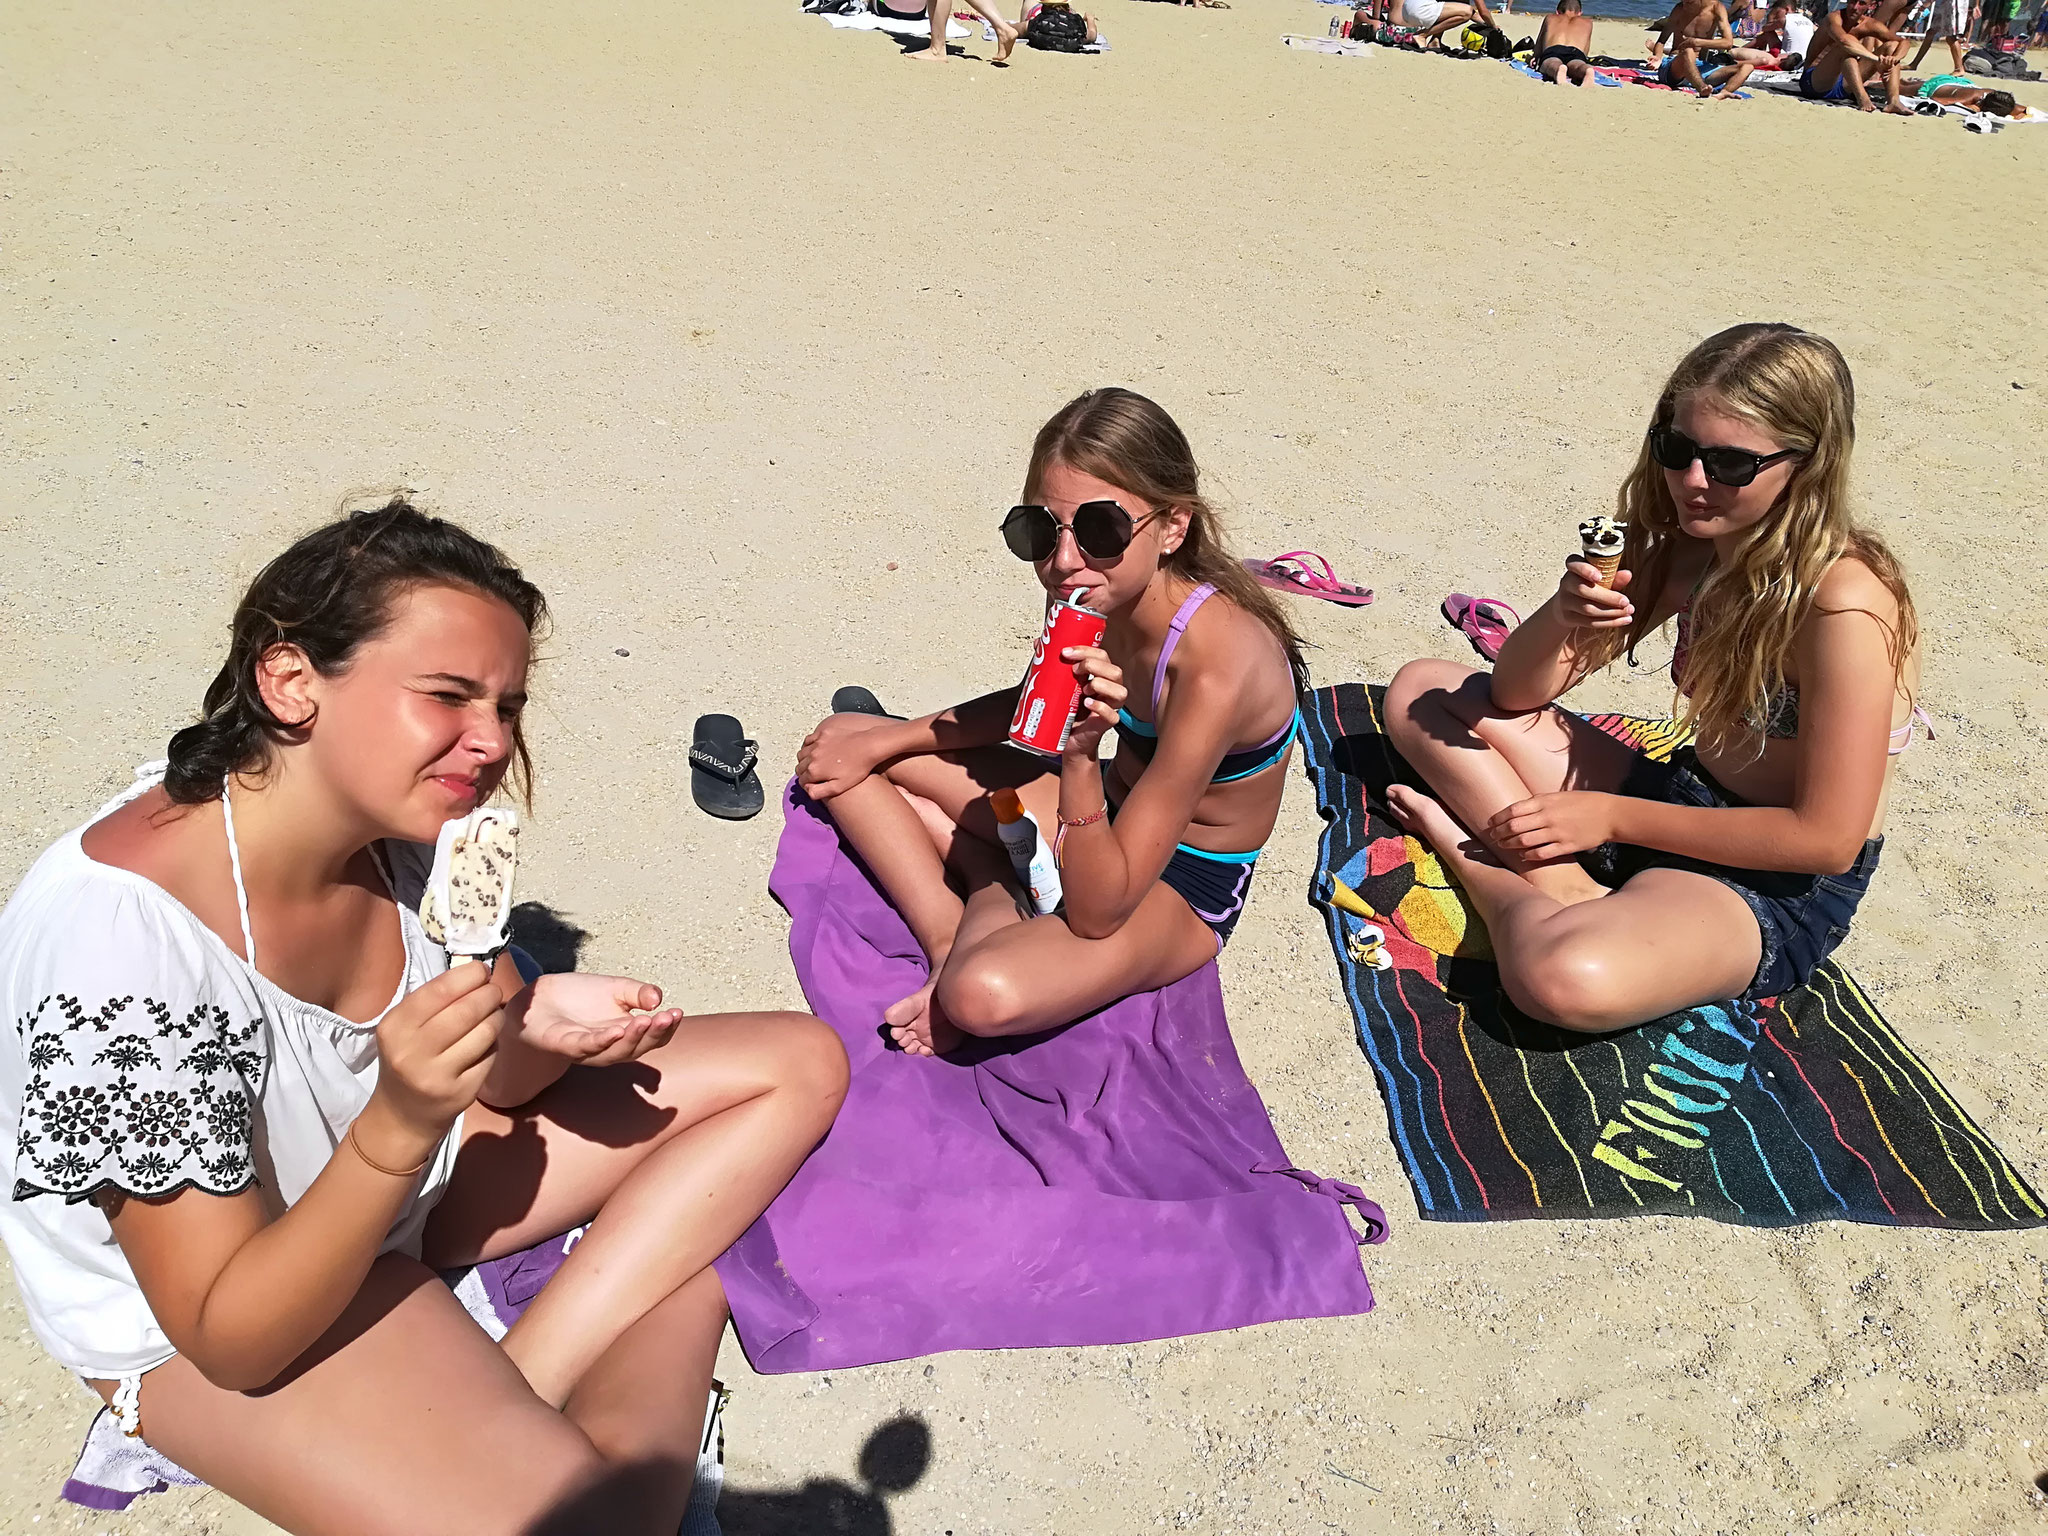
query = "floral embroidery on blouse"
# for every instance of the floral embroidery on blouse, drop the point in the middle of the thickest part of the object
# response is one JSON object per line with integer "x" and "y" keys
{"x": 135, "y": 1097}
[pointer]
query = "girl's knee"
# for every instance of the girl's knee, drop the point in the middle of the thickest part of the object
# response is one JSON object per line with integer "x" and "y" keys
{"x": 811, "y": 1059}
{"x": 1572, "y": 986}
{"x": 981, "y": 996}
{"x": 1421, "y": 691}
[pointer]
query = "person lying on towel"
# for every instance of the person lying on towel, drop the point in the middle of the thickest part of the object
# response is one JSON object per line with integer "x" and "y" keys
{"x": 248, "y": 1109}
{"x": 1561, "y": 44}
{"x": 1617, "y": 889}
{"x": 1197, "y": 676}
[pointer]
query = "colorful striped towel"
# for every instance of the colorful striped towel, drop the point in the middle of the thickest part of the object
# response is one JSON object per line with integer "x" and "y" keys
{"x": 1807, "y": 1107}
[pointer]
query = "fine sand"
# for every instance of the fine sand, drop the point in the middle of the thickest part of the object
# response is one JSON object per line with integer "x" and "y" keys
{"x": 735, "y": 330}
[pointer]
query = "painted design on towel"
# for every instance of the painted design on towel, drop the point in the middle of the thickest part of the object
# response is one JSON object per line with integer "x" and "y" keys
{"x": 1806, "y": 1107}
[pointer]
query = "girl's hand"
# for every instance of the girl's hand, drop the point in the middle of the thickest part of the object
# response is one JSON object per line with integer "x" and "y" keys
{"x": 839, "y": 754}
{"x": 433, "y": 1052}
{"x": 1584, "y": 604}
{"x": 596, "y": 1020}
{"x": 1554, "y": 826}
{"x": 1102, "y": 696}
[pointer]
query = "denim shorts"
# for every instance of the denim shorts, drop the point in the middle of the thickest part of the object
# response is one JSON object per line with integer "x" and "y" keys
{"x": 1802, "y": 917}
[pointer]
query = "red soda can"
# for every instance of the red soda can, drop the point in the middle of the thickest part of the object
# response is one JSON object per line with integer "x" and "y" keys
{"x": 1050, "y": 700}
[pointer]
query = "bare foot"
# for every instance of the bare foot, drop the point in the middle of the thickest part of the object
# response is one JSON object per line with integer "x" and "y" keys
{"x": 1006, "y": 39}
{"x": 918, "y": 1027}
{"x": 936, "y": 54}
{"x": 1428, "y": 820}
{"x": 1562, "y": 881}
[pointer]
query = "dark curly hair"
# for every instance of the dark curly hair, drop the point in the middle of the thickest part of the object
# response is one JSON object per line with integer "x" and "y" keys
{"x": 327, "y": 595}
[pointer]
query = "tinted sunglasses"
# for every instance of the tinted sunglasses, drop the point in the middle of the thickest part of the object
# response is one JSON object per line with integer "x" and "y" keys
{"x": 1102, "y": 529}
{"x": 1724, "y": 466}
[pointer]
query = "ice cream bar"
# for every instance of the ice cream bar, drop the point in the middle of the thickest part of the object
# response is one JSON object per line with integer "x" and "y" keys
{"x": 1600, "y": 541}
{"x": 468, "y": 899}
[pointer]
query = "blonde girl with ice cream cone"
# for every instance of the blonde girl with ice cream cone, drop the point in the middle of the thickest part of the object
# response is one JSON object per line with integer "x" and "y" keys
{"x": 1618, "y": 889}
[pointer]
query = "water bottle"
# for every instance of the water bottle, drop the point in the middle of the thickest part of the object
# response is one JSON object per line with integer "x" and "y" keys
{"x": 1030, "y": 854}
{"x": 1336, "y": 26}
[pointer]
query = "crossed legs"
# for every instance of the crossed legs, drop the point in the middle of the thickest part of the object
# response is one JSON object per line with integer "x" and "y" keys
{"x": 1571, "y": 952}
{"x": 407, "y": 1420}
{"x": 924, "y": 827}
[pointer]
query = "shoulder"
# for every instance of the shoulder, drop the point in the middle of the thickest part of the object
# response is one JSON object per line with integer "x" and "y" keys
{"x": 1226, "y": 646}
{"x": 81, "y": 937}
{"x": 1851, "y": 587}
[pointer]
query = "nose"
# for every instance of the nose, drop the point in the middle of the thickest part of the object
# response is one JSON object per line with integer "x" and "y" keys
{"x": 1066, "y": 557}
{"x": 1696, "y": 477}
{"x": 489, "y": 738}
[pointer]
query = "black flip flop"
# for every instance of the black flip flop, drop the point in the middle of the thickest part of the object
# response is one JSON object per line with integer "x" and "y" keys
{"x": 856, "y": 700}
{"x": 722, "y": 777}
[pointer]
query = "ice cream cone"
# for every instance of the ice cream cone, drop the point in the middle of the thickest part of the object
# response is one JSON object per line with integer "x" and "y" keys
{"x": 1601, "y": 542}
{"x": 1606, "y": 565}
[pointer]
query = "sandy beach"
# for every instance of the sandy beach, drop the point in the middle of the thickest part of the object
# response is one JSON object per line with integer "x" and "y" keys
{"x": 734, "y": 330}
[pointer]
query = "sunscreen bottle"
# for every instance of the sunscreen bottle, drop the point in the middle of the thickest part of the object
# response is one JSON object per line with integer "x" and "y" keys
{"x": 1030, "y": 854}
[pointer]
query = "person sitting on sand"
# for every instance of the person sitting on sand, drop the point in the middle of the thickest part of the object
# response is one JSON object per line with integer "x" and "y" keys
{"x": 1431, "y": 19}
{"x": 1561, "y": 44}
{"x": 1618, "y": 889}
{"x": 1962, "y": 91}
{"x": 1841, "y": 66}
{"x": 248, "y": 1111}
{"x": 1156, "y": 847}
{"x": 1787, "y": 33}
{"x": 1691, "y": 26}
{"x": 939, "y": 12}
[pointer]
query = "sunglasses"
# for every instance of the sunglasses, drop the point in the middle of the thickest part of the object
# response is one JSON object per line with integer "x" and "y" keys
{"x": 1724, "y": 466}
{"x": 1102, "y": 529}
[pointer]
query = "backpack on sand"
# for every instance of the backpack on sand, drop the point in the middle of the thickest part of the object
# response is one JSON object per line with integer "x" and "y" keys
{"x": 1057, "y": 30}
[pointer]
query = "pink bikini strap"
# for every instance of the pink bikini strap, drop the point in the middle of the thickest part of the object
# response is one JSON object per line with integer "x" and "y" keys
{"x": 1186, "y": 611}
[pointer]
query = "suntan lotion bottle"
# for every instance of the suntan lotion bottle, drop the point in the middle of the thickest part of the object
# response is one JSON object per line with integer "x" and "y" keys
{"x": 1030, "y": 854}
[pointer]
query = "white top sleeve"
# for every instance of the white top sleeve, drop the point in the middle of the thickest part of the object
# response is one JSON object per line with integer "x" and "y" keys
{"x": 142, "y": 1049}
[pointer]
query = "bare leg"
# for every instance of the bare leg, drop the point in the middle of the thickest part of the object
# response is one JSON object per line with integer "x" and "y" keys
{"x": 1551, "y": 70}
{"x": 936, "y": 13}
{"x": 404, "y": 1420}
{"x": 1006, "y": 35}
{"x": 1889, "y": 67}
{"x": 673, "y": 1155}
{"x": 1666, "y": 940}
{"x": 1733, "y": 83}
{"x": 1480, "y": 761}
{"x": 1582, "y": 75}
{"x": 1688, "y": 62}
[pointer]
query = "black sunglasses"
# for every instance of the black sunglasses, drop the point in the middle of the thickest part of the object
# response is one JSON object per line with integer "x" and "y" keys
{"x": 1102, "y": 529}
{"x": 1725, "y": 466}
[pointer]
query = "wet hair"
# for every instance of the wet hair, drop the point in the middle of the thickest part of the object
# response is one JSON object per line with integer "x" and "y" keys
{"x": 1998, "y": 103}
{"x": 328, "y": 595}
{"x": 1794, "y": 387}
{"x": 1569, "y": 7}
{"x": 1120, "y": 436}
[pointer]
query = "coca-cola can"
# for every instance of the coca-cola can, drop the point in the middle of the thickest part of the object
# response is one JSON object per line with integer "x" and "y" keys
{"x": 1050, "y": 700}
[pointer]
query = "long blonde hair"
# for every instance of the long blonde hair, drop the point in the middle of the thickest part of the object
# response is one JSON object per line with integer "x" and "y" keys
{"x": 1120, "y": 436}
{"x": 1794, "y": 386}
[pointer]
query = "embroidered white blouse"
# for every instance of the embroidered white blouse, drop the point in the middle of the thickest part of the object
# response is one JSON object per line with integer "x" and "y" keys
{"x": 140, "y": 1053}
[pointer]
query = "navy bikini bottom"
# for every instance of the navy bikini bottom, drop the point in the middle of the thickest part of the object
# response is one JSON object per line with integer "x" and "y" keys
{"x": 1214, "y": 885}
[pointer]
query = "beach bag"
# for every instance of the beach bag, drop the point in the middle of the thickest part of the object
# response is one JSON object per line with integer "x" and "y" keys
{"x": 1494, "y": 43}
{"x": 1057, "y": 30}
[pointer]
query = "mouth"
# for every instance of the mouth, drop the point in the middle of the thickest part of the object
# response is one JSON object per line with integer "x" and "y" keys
{"x": 458, "y": 787}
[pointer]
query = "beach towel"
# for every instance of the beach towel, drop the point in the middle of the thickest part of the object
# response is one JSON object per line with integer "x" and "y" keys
{"x": 1112, "y": 1181}
{"x": 1806, "y": 1107}
{"x": 1339, "y": 45}
{"x": 868, "y": 21}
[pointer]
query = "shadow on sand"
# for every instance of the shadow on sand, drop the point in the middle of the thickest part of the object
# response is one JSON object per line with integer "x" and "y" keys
{"x": 893, "y": 1461}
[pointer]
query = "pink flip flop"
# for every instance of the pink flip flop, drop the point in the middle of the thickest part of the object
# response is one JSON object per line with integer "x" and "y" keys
{"x": 1481, "y": 619}
{"x": 1296, "y": 572}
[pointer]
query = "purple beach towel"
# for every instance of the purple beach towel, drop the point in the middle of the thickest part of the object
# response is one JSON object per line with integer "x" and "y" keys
{"x": 1112, "y": 1181}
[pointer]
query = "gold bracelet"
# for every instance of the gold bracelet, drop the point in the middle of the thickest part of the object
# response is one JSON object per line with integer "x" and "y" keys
{"x": 396, "y": 1173}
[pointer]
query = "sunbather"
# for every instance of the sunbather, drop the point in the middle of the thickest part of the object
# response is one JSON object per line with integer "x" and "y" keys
{"x": 1787, "y": 32}
{"x": 1617, "y": 889}
{"x": 1961, "y": 91}
{"x": 1840, "y": 66}
{"x": 227, "y": 1199}
{"x": 1561, "y": 44}
{"x": 1158, "y": 846}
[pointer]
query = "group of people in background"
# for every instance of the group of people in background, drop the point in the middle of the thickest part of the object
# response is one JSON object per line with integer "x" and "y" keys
{"x": 1855, "y": 54}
